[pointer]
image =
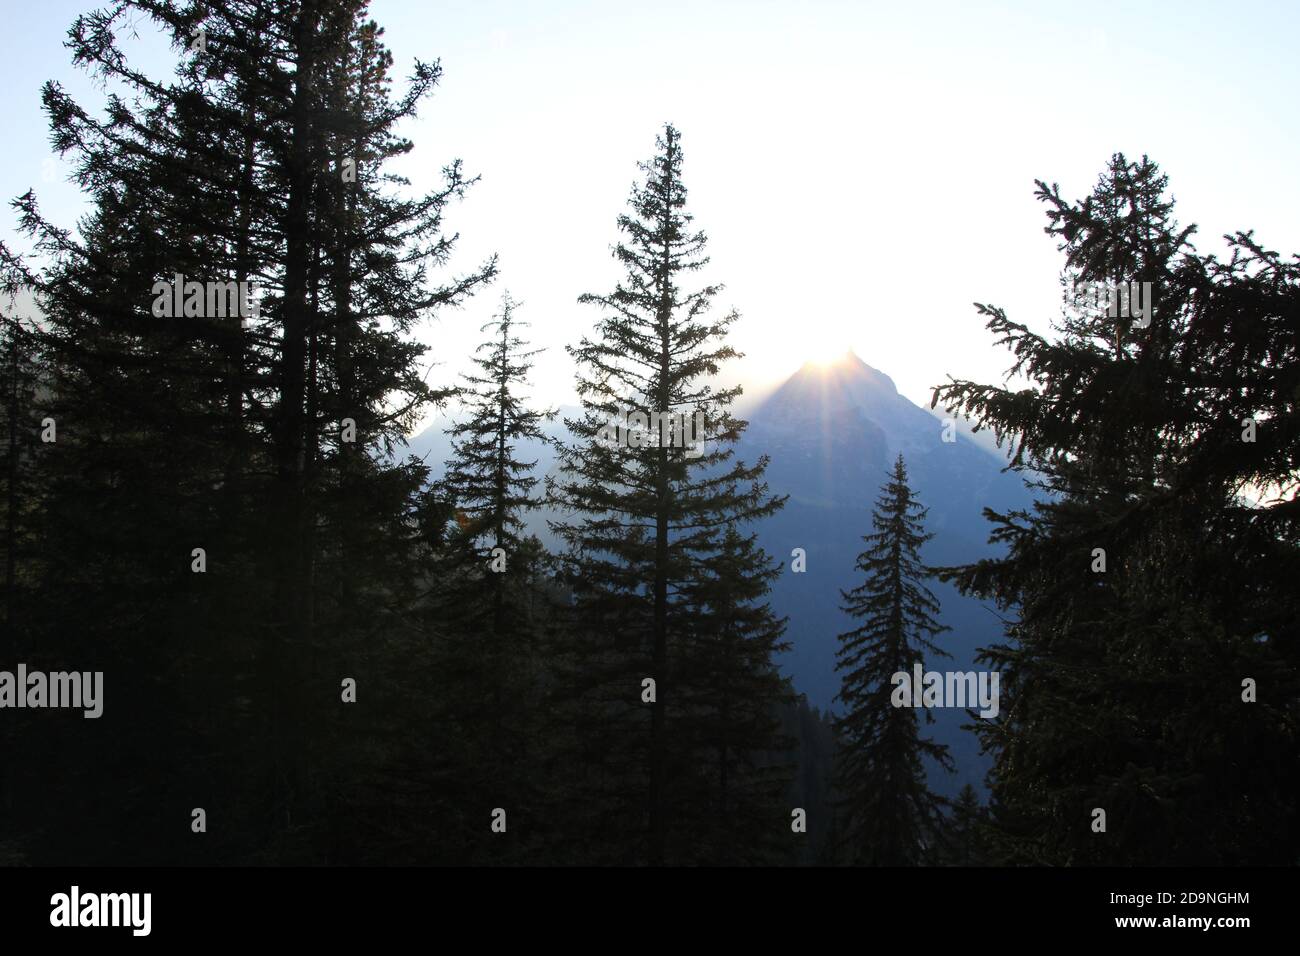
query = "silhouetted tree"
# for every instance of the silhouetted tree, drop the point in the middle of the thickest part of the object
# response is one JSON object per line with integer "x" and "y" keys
{"x": 888, "y": 816}
{"x": 641, "y": 514}
{"x": 1147, "y": 587}
{"x": 266, "y": 440}
{"x": 965, "y": 833}
{"x": 726, "y": 723}
{"x": 493, "y": 600}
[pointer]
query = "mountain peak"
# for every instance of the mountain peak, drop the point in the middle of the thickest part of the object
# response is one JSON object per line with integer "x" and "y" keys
{"x": 845, "y": 357}
{"x": 847, "y": 368}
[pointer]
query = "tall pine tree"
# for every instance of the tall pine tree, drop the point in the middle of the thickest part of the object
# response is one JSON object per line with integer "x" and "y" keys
{"x": 889, "y": 816}
{"x": 492, "y": 600}
{"x": 262, "y": 439}
{"x": 1147, "y": 589}
{"x": 641, "y": 514}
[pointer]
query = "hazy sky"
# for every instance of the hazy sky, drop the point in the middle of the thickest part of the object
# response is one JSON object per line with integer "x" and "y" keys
{"x": 864, "y": 170}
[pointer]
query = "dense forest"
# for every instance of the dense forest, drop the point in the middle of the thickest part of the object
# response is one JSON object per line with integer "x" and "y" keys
{"x": 320, "y": 649}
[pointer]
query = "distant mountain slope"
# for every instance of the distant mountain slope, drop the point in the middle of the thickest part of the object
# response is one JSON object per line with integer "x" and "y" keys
{"x": 831, "y": 432}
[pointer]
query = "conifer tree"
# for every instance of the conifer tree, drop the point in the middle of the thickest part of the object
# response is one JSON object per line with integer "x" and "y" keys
{"x": 889, "y": 815}
{"x": 21, "y": 444}
{"x": 491, "y": 596}
{"x": 23, "y": 436}
{"x": 728, "y": 712}
{"x": 965, "y": 832}
{"x": 1144, "y": 586}
{"x": 492, "y": 488}
{"x": 263, "y": 439}
{"x": 641, "y": 512}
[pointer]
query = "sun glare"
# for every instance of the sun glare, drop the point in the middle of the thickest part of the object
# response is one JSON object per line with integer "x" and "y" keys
{"x": 823, "y": 349}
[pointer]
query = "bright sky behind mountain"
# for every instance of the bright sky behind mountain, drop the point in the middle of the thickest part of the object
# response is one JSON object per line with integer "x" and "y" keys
{"x": 873, "y": 225}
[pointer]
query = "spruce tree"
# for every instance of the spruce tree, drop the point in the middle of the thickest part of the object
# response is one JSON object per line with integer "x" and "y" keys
{"x": 642, "y": 512}
{"x": 491, "y": 487}
{"x": 965, "y": 838}
{"x": 20, "y": 380}
{"x": 263, "y": 439}
{"x": 21, "y": 445}
{"x": 889, "y": 816}
{"x": 728, "y": 713}
{"x": 1144, "y": 587}
{"x": 491, "y": 595}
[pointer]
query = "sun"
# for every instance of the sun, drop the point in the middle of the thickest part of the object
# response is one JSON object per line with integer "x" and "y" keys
{"x": 820, "y": 347}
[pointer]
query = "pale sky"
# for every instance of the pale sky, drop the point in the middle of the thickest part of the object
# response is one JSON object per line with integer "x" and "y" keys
{"x": 864, "y": 170}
